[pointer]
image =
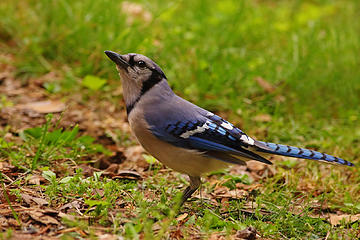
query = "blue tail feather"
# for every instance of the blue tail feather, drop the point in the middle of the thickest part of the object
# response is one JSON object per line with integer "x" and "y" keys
{"x": 296, "y": 152}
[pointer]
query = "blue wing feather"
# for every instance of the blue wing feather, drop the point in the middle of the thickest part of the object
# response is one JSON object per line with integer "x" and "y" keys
{"x": 209, "y": 136}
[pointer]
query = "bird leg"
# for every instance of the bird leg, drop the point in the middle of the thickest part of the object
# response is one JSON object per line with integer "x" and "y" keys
{"x": 194, "y": 185}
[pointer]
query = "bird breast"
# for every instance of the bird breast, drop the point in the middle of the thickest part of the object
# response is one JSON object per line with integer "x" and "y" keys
{"x": 188, "y": 161}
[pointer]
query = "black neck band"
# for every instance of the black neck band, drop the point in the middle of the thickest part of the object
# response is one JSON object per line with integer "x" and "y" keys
{"x": 154, "y": 79}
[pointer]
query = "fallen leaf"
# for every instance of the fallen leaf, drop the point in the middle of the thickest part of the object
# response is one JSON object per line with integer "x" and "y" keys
{"x": 134, "y": 153}
{"x": 336, "y": 219}
{"x": 70, "y": 205}
{"x": 248, "y": 188}
{"x": 182, "y": 217}
{"x": 88, "y": 171}
{"x": 248, "y": 233}
{"x": 156, "y": 227}
{"x": 255, "y": 166}
{"x": 265, "y": 84}
{"x": 31, "y": 200}
{"x": 67, "y": 216}
{"x": 36, "y": 179}
{"x": 26, "y": 234}
{"x": 134, "y": 159}
{"x": 215, "y": 236}
{"x": 109, "y": 237}
{"x": 13, "y": 222}
{"x": 3, "y": 222}
{"x": 224, "y": 192}
{"x": 44, "y": 106}
{"x": 112, "y": 169}
{"x": 43, "y": 218}
{"x": 262, "y": 118}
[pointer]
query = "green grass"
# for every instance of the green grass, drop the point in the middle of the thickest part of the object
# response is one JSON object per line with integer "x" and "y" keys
{"x": 48, "y": 143}
{"x": 147, "y": 208}
{"x": 211, "y": 52}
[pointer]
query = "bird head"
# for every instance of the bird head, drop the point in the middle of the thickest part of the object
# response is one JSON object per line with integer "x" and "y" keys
{"x": 138, "y": 74}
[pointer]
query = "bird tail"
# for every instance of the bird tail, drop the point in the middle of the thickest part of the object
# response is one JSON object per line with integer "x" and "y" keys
{"x": 296, "y": 152}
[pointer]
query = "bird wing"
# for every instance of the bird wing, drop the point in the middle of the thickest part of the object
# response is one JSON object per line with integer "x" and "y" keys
{"x": 207, "y": 133}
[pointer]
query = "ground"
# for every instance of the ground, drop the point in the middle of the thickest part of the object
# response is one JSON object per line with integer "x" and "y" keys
{"x": 71, "y": 168}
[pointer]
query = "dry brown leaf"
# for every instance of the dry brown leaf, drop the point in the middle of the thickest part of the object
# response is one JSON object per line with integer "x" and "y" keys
{"x": 31, "y": 200}
{"x": 67, "y": 216}
{"x": 255, "y": 165}
{"x": 182, "y": 217}
{"x": 336, "y": 219}
{"x": 215, "y": 236}
{"x": 5, "y": 165}
{"x": 112, "y": 169}
{"x": 248, "y": 188}
{"x": 13, "y": 222}
{"x": 70, "y": 205}
{"x": 6, "y": 222}
{"x": 265, "y": 84}
{"x": 3, "y": 222}
{"x": 134, "y": 153}
{"x": 45, "y": 106}
{"x": 109, "y": 237}
{"x": 262, "y": 118}
{"x": 36, "y": 179}
{"x": 224, "y": 192}
{"x": 247, "y": 233}
{"x": 22, "y": 236}
{"x": 134, "y": 159}
{"x": 43, "y": 218}
{"x": 156, "y": 227}
{"x": 88, "y": 171}
{"x": 238, "y": 170}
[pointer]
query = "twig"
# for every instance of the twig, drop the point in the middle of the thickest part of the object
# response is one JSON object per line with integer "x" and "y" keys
{"x": 8, "y": 178}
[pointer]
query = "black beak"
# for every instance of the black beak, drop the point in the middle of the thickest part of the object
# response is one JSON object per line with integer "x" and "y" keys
{"x": 116, "y": 58}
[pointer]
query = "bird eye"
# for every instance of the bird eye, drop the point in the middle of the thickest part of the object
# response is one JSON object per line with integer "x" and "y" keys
{"x": 141, "y": 64}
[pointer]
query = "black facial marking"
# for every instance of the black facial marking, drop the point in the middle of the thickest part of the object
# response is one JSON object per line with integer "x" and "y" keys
{"x": 131, "y": 60}
{"x": 152, "y": 81}
{"x": 130, "y": 107}
{"x": 156, "y": 76}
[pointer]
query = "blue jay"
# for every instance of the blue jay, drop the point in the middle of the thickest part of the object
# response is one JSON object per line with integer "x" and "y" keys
{"x": 183, "y": 136}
